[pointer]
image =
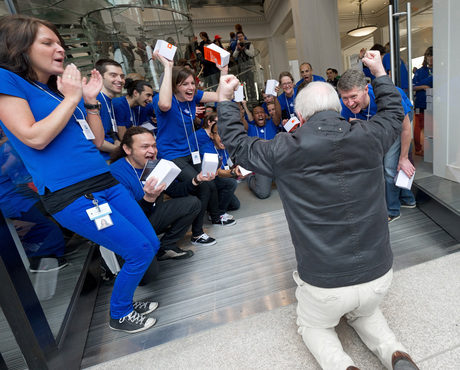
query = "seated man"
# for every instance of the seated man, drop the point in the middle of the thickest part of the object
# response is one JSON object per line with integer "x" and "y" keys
{"x": 306, "y": 71}
{"x": 259, "y": 184}
{"x": 172, "y": 217}
{"x": 227, "y": 173}
{"x": 358, "y": 102}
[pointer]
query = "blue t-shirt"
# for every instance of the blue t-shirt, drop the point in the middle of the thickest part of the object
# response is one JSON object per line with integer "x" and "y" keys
{"x": 128, "y": 177}
{"x": 287, "y": 104}
{"x": 316, "y": 78}
{"x": 175, "y": 127}
{"x": 386, "y": 61}
{"x": 204, "y": 141}
{"x": 127, "y": 116}
{"x": 207, "y": 146}
{"x": 371, "y": 109}
{"x": 69, "y": 158}
{"x": 266, "y": 132}
{"x": 422, "y": 76}
{"x": 107, "y": 114}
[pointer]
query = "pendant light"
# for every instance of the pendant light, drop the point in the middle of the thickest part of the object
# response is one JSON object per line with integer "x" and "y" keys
{"x": 361, "y": 29}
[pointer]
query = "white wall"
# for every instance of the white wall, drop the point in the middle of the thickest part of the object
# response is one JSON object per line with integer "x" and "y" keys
{"x": 446, "y": 94}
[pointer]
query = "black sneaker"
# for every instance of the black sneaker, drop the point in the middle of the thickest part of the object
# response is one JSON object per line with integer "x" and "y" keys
{"x": 393, "y": 218}
{"x": 203, "y": 239}
{"x": 407, "y": 205}
{"x": 132, "y": 323}
{"x": 224, "y": 221}
{"x": 46, "y": 263}
{"x": 144, "y": 308}
{"x": 174, "y": 253}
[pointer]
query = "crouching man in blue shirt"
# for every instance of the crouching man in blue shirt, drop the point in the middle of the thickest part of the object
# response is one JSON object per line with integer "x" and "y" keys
{"x": 172, "y": 217}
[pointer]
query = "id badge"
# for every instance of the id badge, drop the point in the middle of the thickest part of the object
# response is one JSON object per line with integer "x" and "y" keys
{"x": 229, "y": 162}
{"x": 86, "y": 129}
{"x": 99, "y": 211}
{"x": 100, "y": 215}
{"x": 114, "y": 125}
{"x": 196, "y": 157}
{"x": 226, "y": 167}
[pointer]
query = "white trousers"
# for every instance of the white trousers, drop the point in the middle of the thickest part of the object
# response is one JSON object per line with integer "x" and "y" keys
{"x": 319, "y": 310}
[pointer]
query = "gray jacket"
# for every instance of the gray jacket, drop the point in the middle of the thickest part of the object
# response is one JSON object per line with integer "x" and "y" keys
{"x": 329, "y": 175}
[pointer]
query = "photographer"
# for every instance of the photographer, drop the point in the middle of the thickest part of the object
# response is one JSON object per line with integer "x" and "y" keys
{"x": 244, "y": 54}
{"x": 244, "y": 49}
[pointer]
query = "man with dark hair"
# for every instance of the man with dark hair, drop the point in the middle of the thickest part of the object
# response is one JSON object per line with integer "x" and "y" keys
{"x": 172, "y": 217}
{"x": 113, "y": 79}
{"x": 332, "y": 76}
{"x": 329, "y": 177}
{"x": 260, "y": 184}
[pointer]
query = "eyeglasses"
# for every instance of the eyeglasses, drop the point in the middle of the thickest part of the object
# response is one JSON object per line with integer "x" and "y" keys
{"x": 287, "y": 84}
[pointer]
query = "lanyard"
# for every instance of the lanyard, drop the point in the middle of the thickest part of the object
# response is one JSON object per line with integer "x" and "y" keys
{"x": 368, "y": 110}
{"x": 185, "y": 128}
{"x": 223, "y": 157}
{"x": 135, "y": 123}
{"x": 287, "y": 104}
{"x": 137, "y": 176}
{"x": 111, "y": 111}
{"x": 59, "y": 100}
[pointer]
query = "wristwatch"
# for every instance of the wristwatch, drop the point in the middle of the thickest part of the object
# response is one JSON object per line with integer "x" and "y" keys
{"x": 93, "y": 106}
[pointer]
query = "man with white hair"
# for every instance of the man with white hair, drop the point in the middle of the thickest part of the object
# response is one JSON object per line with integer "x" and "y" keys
{"x": 330, "y": 179}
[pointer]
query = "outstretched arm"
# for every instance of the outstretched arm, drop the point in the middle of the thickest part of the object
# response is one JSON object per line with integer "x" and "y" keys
{"x": 166, "y": 90}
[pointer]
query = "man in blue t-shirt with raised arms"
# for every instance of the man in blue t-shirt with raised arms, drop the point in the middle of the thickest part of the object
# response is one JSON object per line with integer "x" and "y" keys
{"x": 259, "y": 184}
{"x": 358, "y": 102}
{"x": 113, "y": 79}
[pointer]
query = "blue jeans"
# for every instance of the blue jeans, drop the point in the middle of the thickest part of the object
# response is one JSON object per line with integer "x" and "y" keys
{"x": 393, "y": 194}
{"x": 131, "y": 236}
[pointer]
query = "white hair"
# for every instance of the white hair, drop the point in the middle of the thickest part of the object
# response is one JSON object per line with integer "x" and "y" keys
{"x": 317, "y": 97}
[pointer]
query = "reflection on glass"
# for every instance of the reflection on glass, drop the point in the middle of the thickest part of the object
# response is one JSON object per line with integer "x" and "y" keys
{"x": 49, "y": 252}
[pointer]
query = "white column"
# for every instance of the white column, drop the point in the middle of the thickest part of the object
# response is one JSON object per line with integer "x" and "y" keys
{"x": 279, "y": 60}
{"x": 446, "y": 92}
{"x": 316, "y": 28}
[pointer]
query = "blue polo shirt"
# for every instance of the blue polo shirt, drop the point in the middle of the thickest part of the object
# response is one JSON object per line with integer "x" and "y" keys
{"x": 422, "y": 76}
{"x": 107, "y": 114}
{"x": 287, "y": 104}
{"x": 315, "y": 79}
{"x": 127, "y": 116}
{"x": 386, "y": 61}
{"x": 69, "y": 158}
{"x": 175, "y": 127}
{"x": 266, "y": 132}
{"x": 128, "y": 177}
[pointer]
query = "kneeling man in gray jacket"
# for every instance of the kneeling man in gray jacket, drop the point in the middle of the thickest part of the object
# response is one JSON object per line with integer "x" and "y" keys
{"x": 329, "y": 176}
